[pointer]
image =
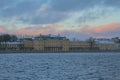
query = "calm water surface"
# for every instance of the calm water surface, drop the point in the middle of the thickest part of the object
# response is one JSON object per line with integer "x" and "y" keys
{"x": 69, "y": 66}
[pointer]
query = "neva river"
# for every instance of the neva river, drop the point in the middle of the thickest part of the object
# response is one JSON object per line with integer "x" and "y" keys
{"x": 68, "y": 66}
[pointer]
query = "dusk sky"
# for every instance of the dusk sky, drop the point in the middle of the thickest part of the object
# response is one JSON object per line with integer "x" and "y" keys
{"x": 71, "y": 18}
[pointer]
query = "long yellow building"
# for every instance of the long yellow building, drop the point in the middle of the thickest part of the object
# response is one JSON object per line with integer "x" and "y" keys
{"x": 78, "y": 45}
{"x": 51, "y": 44}
{"x": 48, "y": 43}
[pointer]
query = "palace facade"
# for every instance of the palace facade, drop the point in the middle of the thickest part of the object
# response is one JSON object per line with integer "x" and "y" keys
{"x": 48, "y": 43}
{"x": 51, "y": 44}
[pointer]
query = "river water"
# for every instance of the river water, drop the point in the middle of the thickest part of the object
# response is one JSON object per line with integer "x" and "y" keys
{"x": 60, "y": 66}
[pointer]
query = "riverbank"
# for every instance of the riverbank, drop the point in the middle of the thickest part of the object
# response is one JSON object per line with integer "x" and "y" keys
{"x": 87, "y": 51}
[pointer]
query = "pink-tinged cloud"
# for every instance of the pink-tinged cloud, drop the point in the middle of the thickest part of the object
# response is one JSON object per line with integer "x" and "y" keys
{"x": 112, "y": 29}
{"x": 109, "y": 30}
{"x": 100, "y": 29}
{"x": 2, "y": 30}
{"x": 36, "y": 30}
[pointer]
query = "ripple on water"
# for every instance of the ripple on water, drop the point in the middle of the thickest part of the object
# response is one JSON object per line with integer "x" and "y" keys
{"x": 60, "y": 66}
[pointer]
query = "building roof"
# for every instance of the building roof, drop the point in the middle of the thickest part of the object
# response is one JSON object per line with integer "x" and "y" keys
{"x": 104, "y": 41}
{"x": 46, "y": 37}
{"x": 11, "y": 43}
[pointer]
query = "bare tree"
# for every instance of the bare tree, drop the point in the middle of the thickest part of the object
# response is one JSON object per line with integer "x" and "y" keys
{"x": 6, "y": 37}
{"x": 91, "y": 42}
{"x": 13, "y": 38}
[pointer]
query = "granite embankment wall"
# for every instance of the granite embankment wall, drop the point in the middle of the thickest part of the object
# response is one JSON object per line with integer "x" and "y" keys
{"x": 87, "y": 51}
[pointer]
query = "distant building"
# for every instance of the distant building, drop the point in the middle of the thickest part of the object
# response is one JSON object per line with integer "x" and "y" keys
{"x": 28, "y": 45}
{"x": 78, "y": 45}
{"x": 106, "y": 44}
{"x": 116, "y": 40}
{"x": 11, "y": 45}
{"x": 51, "y": 43}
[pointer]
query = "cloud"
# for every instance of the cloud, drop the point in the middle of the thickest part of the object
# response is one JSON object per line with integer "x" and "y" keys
{"x": 98, "y": 15}
{"x": 30, "y": 11}
{"x": 38, "y": 16}
{"x": 108, "y": 30}
{"x": 112, "y": 3}
{"x": 43, "y": 8}
{"x": 2, "y": 30}
{"x": 113, "y": 27}
{"x": 72, "y": 5}
{"x": 84, "y": 32}
{"x": 48, "y": 18}
{"x": 39, "y": 29}
{"x": 11, "y": 8}
{"x": 54, "y": 11}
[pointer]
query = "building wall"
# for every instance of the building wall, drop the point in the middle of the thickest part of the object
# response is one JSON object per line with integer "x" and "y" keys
{"x": 57, "y": 45}
{"x": 51, "y": 45}
{"x": 28, "y": 45}
{"x": 10, "y": 46}
{"x": 38, "y": 45}
{"x": 65, "y": 45}
{"x": 107, "y": 46}
{"x": 79, "y": 45}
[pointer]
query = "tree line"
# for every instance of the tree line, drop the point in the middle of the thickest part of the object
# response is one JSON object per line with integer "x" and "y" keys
{"x": 8, "y": 37}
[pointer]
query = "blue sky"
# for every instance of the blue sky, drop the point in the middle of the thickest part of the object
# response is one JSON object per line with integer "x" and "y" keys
{"x": 72, "y": 18}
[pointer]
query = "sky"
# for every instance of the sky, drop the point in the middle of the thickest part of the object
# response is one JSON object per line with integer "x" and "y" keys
{"x": 79, "y": 19}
